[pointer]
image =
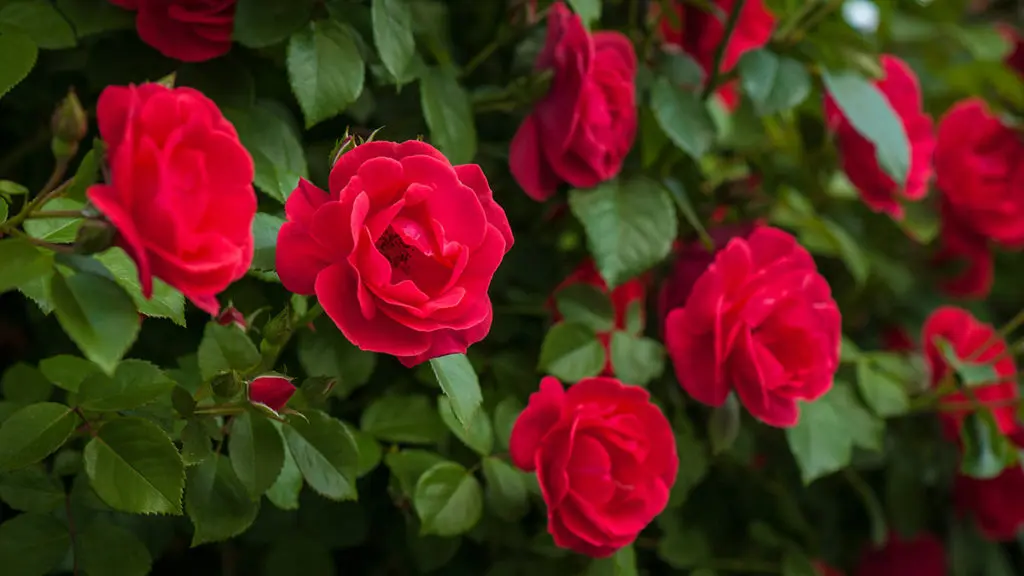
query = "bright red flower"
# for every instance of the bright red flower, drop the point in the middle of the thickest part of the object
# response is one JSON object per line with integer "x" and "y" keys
{"x": 977, "y": 342}
{"x": 581, "y": 131}
{"x": 980, "y": 173}
{"x": 180, "y": 191}
{"x": 923, "y": 555}
{"x": 995, "y": 504}
{"x": 761, "y": 321}
{"x": 605, "y": 459}
{"x": 186, "y": 30}
{"x": 401, "y": 252}
{"x": 273, "y": 391}
{"x": 878, "y": 190}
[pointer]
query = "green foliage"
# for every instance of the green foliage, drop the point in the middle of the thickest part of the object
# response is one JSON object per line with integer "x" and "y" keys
{"x": 325, "y": 69}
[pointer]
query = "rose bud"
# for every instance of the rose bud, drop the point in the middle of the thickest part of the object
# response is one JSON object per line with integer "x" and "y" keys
{"x": 271, "y": 391}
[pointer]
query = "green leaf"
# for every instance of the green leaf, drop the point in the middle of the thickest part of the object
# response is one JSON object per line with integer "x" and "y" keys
{"x": 327, "y": 353}
{"x": 325, "y": 69}
{"x": 477, "y": 434}
{"x": 586, "y": 304}
{"x": 448, "y": 500}
{"x": 31, "y": 490}
{"x": 683, "y": 547}
{"x": 261, "y": 23}
{"x": 17, "y": 58}
{"x": 370, "y": 452}
{"x": 265, "y": 228}
{"x": 392, "y": 33}
{"x": 505, "y": 415}
{"x": 68, "y": 372}
{"x": 404, "y": 419}
{"x": 796, "y": 563}
{"x": 97, "y": 314}
{"x": 278, "y": 157}
{"x": 195, "y": 443}
{"x": 505, "y": 489}
{"x": 57, "y": 230}
{"x": 571, "y": 352}
{"x": 257, "y": 452}
{"x": 622, "y": 563}
{"x": 24, "y": 384}
{"x": 135, "y": 383}
{"x": 89, "y": 17}
{"x": 103, "y": 548}
{"x": 636, "y": 360}
{"x": 285, "y": 492}
{"x": 32, "y": 544}
{"x": 21, "y": 262}
{"x": 217, "y": 503}
{"x": 885, "y": 396}
{"x": 630, "y": 226}
{"x": 690, "y": 450}
{"x": 134, "y": 467}
{"x": 447, "y": 109}
{"x": 3, "y": 210}
{"x": 407, "y": 466}
{"x": 588, "y": 10}
{"x": 724, "y": 425}
{"x": 970, "y": 374}
{"x": 166, "y": 302}
{"x": 872, "y": 117}
{"x": 774, "y": 83}
{"x": 225, "y": 348}
{"x": 822, "y": 441}
{"x": 459, "y": 382}
{"x": 683, "y": 117}
{"x": 986, "y": 450}
{"x": 325, "y": 452}
{"x": 87, "y": 174}
{"x": 33, "y": 433}
{"x": 40, "y": 21}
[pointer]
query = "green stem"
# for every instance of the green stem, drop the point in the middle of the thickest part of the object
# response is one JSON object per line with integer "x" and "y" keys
{"x": 62, "y": 248}
{"x": 220, "y": 410}
{"x": 716, "y": 66}
{"x": 55, "y": 214}
{"x": 43, "y": 197}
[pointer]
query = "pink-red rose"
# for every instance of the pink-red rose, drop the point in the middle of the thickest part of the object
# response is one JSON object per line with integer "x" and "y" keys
{"x": 581, "y": 131}
{"x": 400, "y": 252}
{"x": 630, "y": 294}
{"x": 980, "y": 173}
{"x": 877, "y": 189}
{"x": 922, "y": 555}
{"x": 186, "y": 30}
{"x": 272, "y": 391}
{"x": 180, "y": 191}
{"x": 700, "y": 32}
{"x": 761, "y": 321}
{"x": 605, "y": 459}
{"x": 995, "y": 504}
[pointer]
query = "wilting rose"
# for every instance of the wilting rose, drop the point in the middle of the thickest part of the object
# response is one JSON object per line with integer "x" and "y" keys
{"x": 180, "y": 191}
{"x": 186, "y": 30}
{"x": 400, "y": 252}
{"x": 272, "y": 391}
{"x": 581, "y": 131}
{"x": 922, "y": 555}
{"x": 877, "y": 189}
{"x": 761, "y": 321}
{"x": 995, "y": 504}
{"x": 605, "y": 459}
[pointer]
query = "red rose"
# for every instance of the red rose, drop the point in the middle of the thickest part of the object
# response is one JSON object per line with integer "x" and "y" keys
{"x": 605, "y": 459}
{"x": 581, "y": 131}
{"x": 995, "y": 504}
{"x": 981, "y": 176}
{"x": 621, "y": 298}
{"x": 232, "y": 317}
{"x": 401, "y": 252}
{"x": 896, "y": 339}
{"x": 180, "y": 191}
{"x": 973, "y": 341}
{"x": 760, "y": 321}
{"x": 919, "y": 556}
{"x": 186, "y": 30}
{"x": 273, "y": 391}
{"x": 702, "y": 31}
{"x": 1015, "y": 59}
{"x": 901, "y": 89}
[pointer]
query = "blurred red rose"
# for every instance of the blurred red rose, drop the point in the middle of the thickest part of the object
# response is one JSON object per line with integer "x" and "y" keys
{"x": 980, "y": 173}
{"x": 273, "y": 391}
{"x": 605, "y": 459}
{"x": 973, "y": 341}
{"x": 581, "y": 131}
{"x": 180, "y": 191}
{"x": 995, "y": 504}
{"x": 877, "y": 189}
{"x": 825, "y": 570}
{"x": 701, "y": 32}
{"x": 621, "y": 298}
{"x": 761, "y": 321}
{"x": 1015, "y": 59}
{"x": 186, "y": 30}
{"x": 896, "y": 339}
{"x": 401, "y": 252}
{"x": 922, "y": 555}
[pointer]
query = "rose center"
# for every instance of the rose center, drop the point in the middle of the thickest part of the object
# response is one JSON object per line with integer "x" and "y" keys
{"x": 395, "y": 250}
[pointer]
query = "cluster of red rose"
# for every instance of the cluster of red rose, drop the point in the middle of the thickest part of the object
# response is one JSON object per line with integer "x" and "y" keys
{"x": 401, "y": 250}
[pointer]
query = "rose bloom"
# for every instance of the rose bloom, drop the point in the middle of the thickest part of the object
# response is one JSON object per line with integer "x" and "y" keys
{"x": 995, "y": 504}
{"x": 400, "y": 252}
{"x": 180, "y": 191}
{"x": 605, "y": 459}
{"x": 581, "y": 131}
{"x": 980, "y": 173}
{"x": 700, "y": 32}
{"x": 877, "y": 189}
{"x": 922, "y": 555}
{"x": 621, "y": 297}
{"x": 186, "y": 30}
{"x": 977, "y": 342}
{"x": 761, "y": 321}
{"x": 272, "y": 391}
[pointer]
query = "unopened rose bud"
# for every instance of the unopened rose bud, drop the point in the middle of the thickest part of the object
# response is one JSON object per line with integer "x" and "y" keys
{"x": 231, "y": 316}
{"x": 271, "y": 391}
{"x": 68, "y": 124}
{"x": 226, "y": 385}
{"x": 94, "y": 236}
